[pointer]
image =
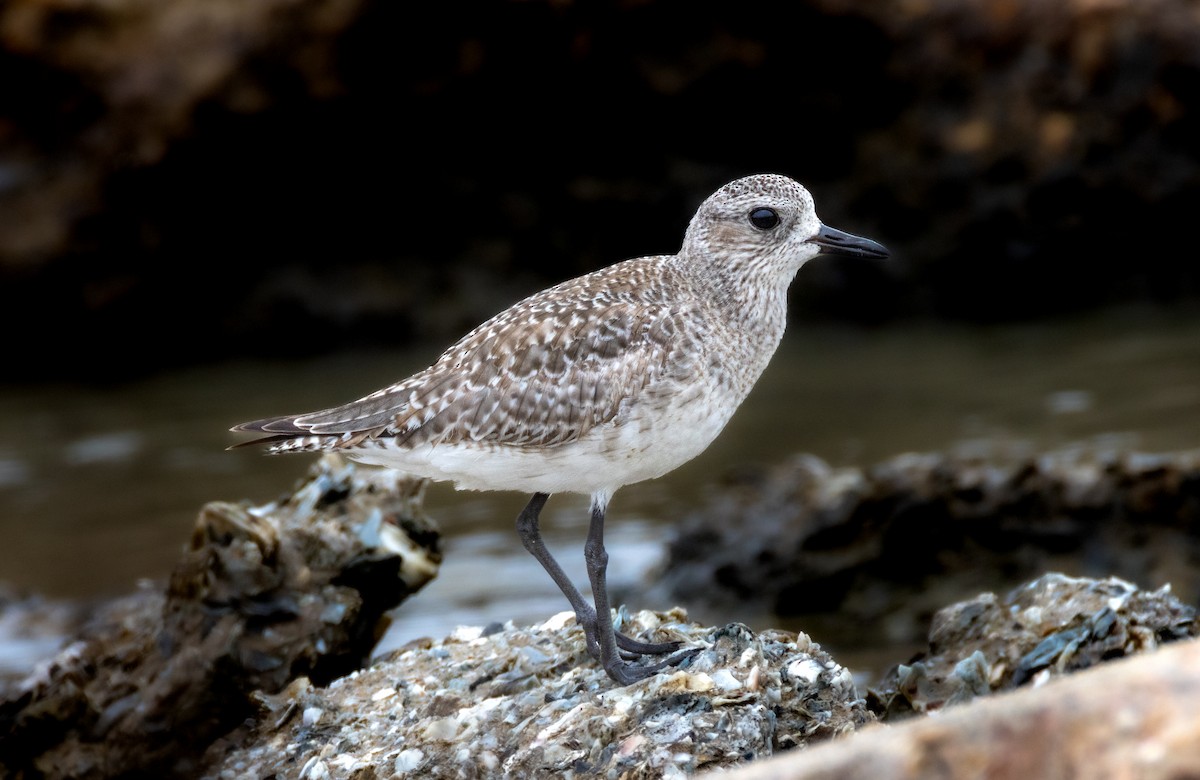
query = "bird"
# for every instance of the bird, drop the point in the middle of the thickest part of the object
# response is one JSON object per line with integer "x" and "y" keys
{"x": 608, "y": 379}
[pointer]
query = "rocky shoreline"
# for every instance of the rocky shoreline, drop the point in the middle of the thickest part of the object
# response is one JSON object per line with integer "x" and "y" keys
{"x": 254, "y": 660}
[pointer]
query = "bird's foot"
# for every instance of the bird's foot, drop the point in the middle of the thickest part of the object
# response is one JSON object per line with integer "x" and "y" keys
{"x": 629, "y": 647}
{"x": 624, "y": 672}
{"x": 632, "y": 648}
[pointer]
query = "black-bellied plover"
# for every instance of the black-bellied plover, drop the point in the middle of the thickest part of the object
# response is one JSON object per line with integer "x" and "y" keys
{"x": 612, "y": 378}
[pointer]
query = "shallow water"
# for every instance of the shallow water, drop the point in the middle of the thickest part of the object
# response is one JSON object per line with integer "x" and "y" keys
{"x": 99, "y": 486}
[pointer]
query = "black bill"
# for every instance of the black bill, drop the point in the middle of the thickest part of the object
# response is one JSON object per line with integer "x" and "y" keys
{"x": 834, "y": 242}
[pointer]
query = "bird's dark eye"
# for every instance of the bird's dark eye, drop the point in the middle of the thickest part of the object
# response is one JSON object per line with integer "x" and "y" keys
{"x": 764, "y": 218}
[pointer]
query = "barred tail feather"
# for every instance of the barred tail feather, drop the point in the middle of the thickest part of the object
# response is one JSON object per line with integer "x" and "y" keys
{"x": 282, "y": 434}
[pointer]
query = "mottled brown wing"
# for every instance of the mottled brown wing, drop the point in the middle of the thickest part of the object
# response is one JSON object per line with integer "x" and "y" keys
{"x": 531, "y": 377}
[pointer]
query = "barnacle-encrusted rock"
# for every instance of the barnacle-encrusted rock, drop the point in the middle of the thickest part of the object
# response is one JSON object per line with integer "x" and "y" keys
{"x": 1052, "y": 626}
{"x": 528, "y": 702}
{"x": 261, "y": 596}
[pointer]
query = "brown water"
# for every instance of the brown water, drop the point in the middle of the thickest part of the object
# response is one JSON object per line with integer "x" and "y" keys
{"x": 99, "y": 486}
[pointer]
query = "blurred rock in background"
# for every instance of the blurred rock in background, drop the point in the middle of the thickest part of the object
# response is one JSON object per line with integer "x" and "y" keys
{"x": 288, "y": 177}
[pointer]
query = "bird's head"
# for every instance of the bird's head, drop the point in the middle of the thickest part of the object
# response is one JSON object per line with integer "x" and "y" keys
{"x": 767, "y": 222}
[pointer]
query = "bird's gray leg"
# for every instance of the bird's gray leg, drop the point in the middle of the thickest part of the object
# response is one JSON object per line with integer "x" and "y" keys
{"x": 585, "y": 616}
{"x": 617, "y": 668}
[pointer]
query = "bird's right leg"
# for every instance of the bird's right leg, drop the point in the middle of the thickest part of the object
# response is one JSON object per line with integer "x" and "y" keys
{"x": 585, "y": 613}
{"x": 616, "y": 664}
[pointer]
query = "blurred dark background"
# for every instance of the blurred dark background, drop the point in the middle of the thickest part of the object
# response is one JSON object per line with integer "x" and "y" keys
{"x": 188, "y": 180}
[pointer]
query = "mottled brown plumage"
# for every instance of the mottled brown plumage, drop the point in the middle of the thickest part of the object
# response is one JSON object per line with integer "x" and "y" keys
{"x": 540, "y": 374}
